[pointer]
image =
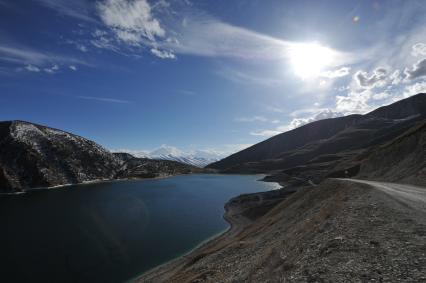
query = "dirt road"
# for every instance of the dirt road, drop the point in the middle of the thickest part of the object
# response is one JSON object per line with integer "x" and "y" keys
{"x": 412, "y": 196}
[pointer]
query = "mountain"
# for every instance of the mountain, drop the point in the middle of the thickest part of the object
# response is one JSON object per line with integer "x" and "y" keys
{"x": 198, "y": 158}
{"x": 319, "y": 229}
{"x": 312, "y": 151}
{"x": 33, "y": 156}
{"x": 402, "y": 159}
{"x": 134, "y": 167}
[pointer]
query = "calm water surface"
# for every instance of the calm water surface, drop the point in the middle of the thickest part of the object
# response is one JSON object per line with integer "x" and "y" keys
{"x": 112, "y": 232}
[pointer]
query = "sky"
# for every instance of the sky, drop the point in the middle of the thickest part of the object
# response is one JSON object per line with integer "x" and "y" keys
{"x": 208, "y": 75}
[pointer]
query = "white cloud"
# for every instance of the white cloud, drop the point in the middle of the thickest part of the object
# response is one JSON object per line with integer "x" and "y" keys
{"x": 380, "y": 95}
{"x": 204, "y": 35}
{"x": 396, "y": 77}
{"x": 354, "y": 102}
{"x": 419, "y": 49}
{"x": 342, "y": 72}
{"x": 319, "y": 114}
{"x": 72, "y": 67}
{"x": 163, "y": 54}
{"x": 343, "y": 88}
{"x": 103, "y": 41}
{"x": 132, "y": 21}
{"x": 51, "y": 70}
{"x": 266, "y": 133}
{"x": 32, "y": 68}
{"x": 252, "y": 119}
{"x": 418, "y": 70}
{"x": 376, "y": 79}
{"x": 414, "y": 89}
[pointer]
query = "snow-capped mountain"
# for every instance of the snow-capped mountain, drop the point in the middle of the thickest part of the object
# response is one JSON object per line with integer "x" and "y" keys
{"x": 199, "y": 158}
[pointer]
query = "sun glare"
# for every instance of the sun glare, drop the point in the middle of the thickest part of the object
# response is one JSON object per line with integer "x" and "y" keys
{"x": 310, "y": 59}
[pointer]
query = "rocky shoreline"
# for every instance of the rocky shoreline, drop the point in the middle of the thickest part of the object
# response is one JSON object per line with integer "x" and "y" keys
{"x": 240, "y": 212}
{"x": 339, "y": 231}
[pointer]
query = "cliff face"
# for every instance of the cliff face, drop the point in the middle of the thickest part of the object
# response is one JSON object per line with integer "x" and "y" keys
{"x": 34, "y": 156}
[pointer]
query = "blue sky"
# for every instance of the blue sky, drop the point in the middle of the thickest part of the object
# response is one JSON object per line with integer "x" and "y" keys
{"x": 216, "y": 75}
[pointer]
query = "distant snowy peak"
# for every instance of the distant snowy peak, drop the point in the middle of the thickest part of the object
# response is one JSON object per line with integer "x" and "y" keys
{"x": 199, "y": 158}
{"x": 166, "y": 150}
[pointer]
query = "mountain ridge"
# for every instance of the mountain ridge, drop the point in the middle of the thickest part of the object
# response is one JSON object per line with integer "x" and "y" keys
{"x": 301, "y": 152}
{"x": 34, "y": 156}
{"x": 198, "y": 158}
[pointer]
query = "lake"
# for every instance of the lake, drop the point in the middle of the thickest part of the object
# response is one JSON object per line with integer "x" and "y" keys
{"x": 114, "y": 231}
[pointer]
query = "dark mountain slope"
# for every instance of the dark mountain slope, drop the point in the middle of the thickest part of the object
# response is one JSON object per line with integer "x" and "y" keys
{"x": 335, "y": 138}
{"x": 34, "y": 156}
{"x": 287, "y": 141}
{"x": 402, "y": 159}
{"x": 134, "y": 167}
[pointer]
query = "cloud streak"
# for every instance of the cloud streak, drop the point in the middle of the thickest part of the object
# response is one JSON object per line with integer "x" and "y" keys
{"x": 104, "y": 99}
{"x": 78, "y": 9}
{"x": 22, "y": 55}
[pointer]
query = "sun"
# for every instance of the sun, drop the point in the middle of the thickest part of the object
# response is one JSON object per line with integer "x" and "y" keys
{"x": 310, "y": 59}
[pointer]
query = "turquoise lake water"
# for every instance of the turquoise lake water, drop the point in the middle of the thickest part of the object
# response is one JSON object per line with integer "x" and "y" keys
{"x": 112, "y": 232}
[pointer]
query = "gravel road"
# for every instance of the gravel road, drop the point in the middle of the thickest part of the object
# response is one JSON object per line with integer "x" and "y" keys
{"x": 412, "y": 196}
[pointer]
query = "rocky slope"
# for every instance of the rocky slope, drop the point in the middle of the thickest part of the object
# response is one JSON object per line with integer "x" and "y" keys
{"x": 317, "y": 229}
{"x": 34, "y": 156}
{"x": 134, "y": 167}
{"x": 327, "y": 140}
{"x": 402, "y": 159}
{"x": 336, "y": 232}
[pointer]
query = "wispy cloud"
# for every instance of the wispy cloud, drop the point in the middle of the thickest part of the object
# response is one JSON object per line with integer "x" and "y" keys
{"x": 187, "y": 92}
{"x": 17, "y": 54}
{"x": 342, "y": 72}
{"x": 244, "y": 77}
{"x": 79, "y": 9}
{"x": 24, "y": 55}
{"x": 256, "y": 119}
{"x": 163, "y": 54}
{"x": 170, "y": 28}
{"x": 52, "y": 70}
{"x": 21, "y": 58}
{"x": 104, "y": 99}
{"x": 31, "y": 68}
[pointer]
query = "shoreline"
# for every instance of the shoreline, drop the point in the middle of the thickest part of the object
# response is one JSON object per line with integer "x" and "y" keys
{"x": 237, "y": 223}
{"x": 101, "y": 181}
{"x": 180, "y": 260}
{"x": 95, "y": 181}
